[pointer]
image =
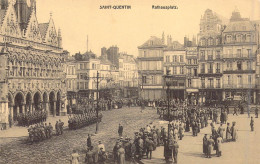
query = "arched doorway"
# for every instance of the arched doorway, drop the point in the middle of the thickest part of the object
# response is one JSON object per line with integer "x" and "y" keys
{"x": 37, "y": 101}
{"x": 52, "y": 103}
{"x": 19, "y": 105}
{"x": 58, "y": 105}
{"x": 28, "y": 103}
{"x": 45, "y": 102}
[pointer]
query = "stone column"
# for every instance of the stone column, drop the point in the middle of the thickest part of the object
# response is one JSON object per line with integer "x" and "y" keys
{"x": 23, "y": 108}
{"x": 223, "y": 95}
{"x": 254, "y": 97}
{"x": 47, "y": 107}
{"x": 54, "y": 108}
{"x": 60, "y": 108}
{"x": 12, "y": 111}
{"x": 32, "y": 107}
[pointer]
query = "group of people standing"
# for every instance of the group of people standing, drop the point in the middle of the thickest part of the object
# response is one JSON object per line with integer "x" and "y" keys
{"x": 215, "y": 140}
{"x": 78, "y": 121}
{"x": 42, "y": 131}
{"x": 30, "y": 118}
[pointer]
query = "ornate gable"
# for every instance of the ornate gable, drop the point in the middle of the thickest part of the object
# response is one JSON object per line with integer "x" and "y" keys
{"x": 32, "y": 30}
{"x": 10, "y": 25}
{"x": 51, "y": 37}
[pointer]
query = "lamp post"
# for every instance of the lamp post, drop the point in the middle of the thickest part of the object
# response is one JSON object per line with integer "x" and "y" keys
{"x": 98, "y": 80}
{"x": 168, "y": 83}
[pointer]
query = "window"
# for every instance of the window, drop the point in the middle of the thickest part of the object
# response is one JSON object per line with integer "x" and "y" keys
{"x": 202, "y": 68}
{"x": 210, "y": 41}
{"x": 181, "y": 70}
{"x": 144, "y": 80}
{"x": 229, "y": 65}
{"x": 195, "y": 61}
{"x": 203, "y": 42}
{"x": 210, "y": 70}
{"x": 239, "y": 65}
{"x": 229, "y": 80}
{"x": 218, "y": 68}
{"x": 144, "y": 53}
{"x": 218, "y": 55}
{"x": 202, "y": 83}
{"x": 152, "y": 80}
{"x": 211, "y": 84}
{"x": 218, "y": 83}
{"x": 239, "y": 80}
{"x": 228, "y": 39}
{"x": 174, "y": 83}
{"x": 189, "y": 82}
{"x": 202, "y": 55}
{"x": 249, "y": 79}
{"x": 249, "y": 53}
{"x": 167, "y": 58}
{"x": 249, "y": 65}
{"x": 189, "y": 71}
{"x": 239, "y": 54}
{"x": 229, "y": 53}
{"x": 174, "y": 70}
{"x": 195, "y": 72}
{"x": 248, "y": 38}
{"x": 189, "y": 61}
{"x": 174, "y": 58}
{"x": 181, "y": 58}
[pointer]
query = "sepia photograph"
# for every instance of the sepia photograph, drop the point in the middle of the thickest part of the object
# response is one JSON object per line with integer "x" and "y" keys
{"x": 129, "y": 81}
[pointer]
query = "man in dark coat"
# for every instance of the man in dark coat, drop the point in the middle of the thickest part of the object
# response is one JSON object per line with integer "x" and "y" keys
{"x": 252, "y": 124}
{"x": 205, "y": 144}
{"x": 120, "y": 130}
{"x": 175, "y": 151}
{"x": 89, "y": 144}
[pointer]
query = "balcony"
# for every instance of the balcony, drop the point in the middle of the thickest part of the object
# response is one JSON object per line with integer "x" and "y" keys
{"x": 239, "y": 86}
{"x": 239, "y": 56}
{"x": 210, "y": 57}
{"x": 210, "y": 70}
{"x": 239, "y": 71}
{"x": 217, "y": 70}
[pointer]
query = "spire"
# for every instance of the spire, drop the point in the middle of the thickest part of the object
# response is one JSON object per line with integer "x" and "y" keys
{"x": 163, "y": 39}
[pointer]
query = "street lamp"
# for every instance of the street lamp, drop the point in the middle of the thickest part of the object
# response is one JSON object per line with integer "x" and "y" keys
{"x": 167, "y": 79}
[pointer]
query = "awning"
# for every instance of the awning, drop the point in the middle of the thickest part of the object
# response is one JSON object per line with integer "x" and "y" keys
{"x": 192, "y": 90}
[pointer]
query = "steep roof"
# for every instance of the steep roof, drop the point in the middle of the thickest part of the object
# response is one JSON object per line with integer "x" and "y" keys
{"x": 242, "y": 25}
{"x": 2, "y": 15}
{"x": 153, "y": 42}
{"x": 43, "y": 29}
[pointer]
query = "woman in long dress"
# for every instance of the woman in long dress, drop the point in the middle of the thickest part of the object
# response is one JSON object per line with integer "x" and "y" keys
{"x": 228, "y": 133}
{"x": 74, "y": 157}
{"x": 121, "y": 155}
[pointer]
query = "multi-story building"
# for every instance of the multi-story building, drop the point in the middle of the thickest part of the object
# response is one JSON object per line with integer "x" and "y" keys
{"x": 71, "y": 80}
{"x": 258, "y": 76}
{"x": 210, "y": 57}
{"x": 128, "y": 78}
{"x": 175, "y": 63}
{"x": 150, "y": 63}
{"x": 112, "y": 54}
{"x": 34, "y": 62}
{"x": 90, "y": 69}
{"x": 192, "y": 82}
{"x": 87, "y": 67}
{"x": 239, "y": 55}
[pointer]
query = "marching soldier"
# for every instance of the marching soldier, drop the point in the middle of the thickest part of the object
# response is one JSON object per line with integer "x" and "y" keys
{"x": 252, "y": 124}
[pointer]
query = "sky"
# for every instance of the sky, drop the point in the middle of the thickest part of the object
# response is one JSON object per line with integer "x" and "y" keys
{"x": 129, "y": 29}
